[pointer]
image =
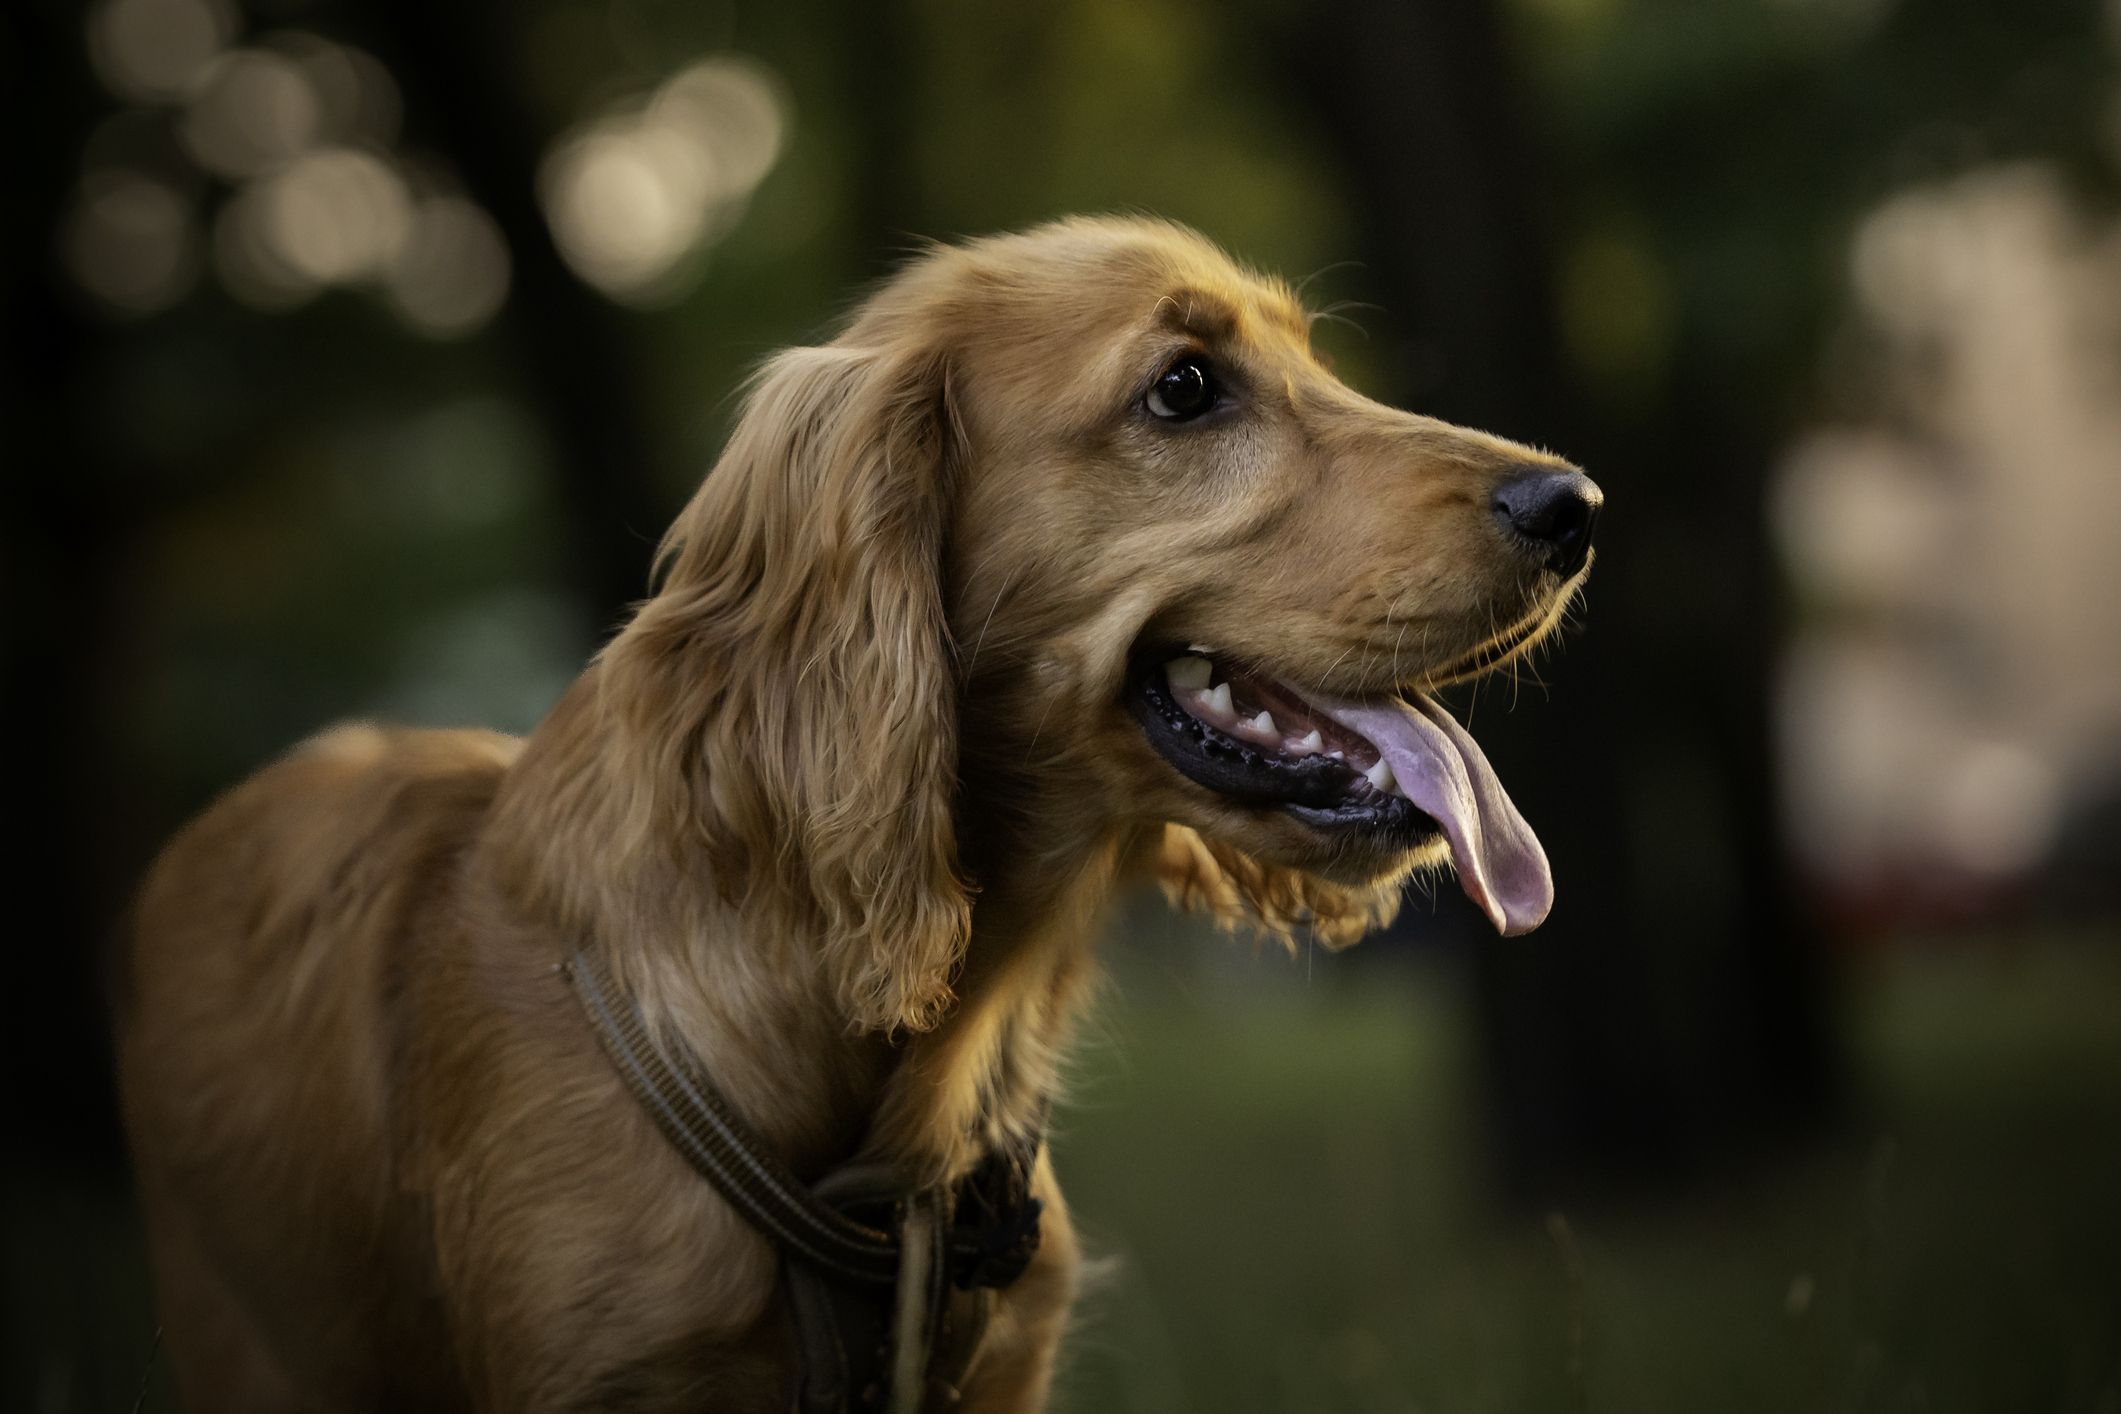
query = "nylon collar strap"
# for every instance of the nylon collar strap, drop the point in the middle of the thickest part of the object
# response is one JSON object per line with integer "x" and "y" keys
{"x": 715, "y": 1140}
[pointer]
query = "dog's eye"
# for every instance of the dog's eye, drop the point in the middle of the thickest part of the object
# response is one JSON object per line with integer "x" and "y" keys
{"x": 1183, "y": 391}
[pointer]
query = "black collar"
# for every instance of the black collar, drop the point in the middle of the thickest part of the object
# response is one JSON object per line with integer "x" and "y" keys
{"x": 978, "y": 1234}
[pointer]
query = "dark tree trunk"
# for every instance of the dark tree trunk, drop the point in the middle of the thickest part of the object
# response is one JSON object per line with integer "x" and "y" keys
{"x": 65, "y": 517}
{"x": 578, "y": 362}
{"x": 1672, "y": 1000}
{"x": 875, "y": 49}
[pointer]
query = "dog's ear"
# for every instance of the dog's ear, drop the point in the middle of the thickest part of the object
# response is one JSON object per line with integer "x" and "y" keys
{"x": 1243, "y": 895}
{"x": 797, "y": 653}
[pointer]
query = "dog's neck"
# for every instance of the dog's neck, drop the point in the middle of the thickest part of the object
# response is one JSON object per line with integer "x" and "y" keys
{"x": 757, "y": 1011}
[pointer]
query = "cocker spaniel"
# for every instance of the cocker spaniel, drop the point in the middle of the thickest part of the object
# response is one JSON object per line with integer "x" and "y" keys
{"x": 1066, "y": 563}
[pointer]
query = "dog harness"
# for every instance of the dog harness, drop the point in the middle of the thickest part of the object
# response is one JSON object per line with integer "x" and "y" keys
{"x": 889, "y": 1286}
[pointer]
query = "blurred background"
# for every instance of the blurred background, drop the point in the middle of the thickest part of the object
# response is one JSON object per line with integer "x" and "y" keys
{"x": 357, "y": 351}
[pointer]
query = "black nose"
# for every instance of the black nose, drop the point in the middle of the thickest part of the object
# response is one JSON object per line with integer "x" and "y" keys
{"x": 1555, "y": 511}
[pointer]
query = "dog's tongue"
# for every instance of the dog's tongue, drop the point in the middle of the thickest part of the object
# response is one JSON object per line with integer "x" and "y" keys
{"x": 1442, "y": 770}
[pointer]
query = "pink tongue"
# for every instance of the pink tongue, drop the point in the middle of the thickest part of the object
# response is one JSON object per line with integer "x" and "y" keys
{"x": 1440, "y": 767}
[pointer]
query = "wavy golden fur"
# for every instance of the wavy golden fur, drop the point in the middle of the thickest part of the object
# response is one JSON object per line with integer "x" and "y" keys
{"x": 842, "y": 805}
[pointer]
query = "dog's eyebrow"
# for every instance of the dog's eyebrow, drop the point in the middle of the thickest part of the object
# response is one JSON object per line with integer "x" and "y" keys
{"x": 1207, "y": 317}
{"x": 1212, "y": 318}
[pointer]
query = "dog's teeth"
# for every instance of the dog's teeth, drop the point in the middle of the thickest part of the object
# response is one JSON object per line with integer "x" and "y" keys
{"x": 1264, "y": 722}
{"x": 1188, "y": 674}
{"x": 1310, "y": 745}
{"x": 1217, "y": 700}
{"x": 1380, "y": 775}
{"x": 1338, "y": 755}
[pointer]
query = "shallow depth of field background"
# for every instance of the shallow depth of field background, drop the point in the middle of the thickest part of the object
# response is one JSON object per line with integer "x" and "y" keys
{"x": 357, "y": 352}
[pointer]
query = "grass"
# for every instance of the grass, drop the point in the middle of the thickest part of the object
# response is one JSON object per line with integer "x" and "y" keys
{"x": 1277, "y": 1164}
{"x": 1285, "y": 1180}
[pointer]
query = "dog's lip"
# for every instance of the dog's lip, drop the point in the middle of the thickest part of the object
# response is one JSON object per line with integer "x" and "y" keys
{"x": 1332, "y": 787}
{"x": 1427, "y": 769}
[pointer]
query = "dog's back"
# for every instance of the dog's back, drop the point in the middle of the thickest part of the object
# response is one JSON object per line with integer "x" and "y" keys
{"x": 260, "y": 1032}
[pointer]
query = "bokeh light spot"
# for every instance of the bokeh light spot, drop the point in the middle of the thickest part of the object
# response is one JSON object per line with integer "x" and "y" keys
{"x": 248, "y": 263}
{"x": 633, "y": 193}
{"x": 451, "y": 275}
{"x": 154, "y": 49}
{"x": 254, "y": 110}
{"x": 337, "y": 214}
{"x": 358, "y": 102}
{"x": 130, "y": 242}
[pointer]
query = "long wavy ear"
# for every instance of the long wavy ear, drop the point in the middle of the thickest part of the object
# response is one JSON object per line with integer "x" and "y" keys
{"x": 795, "y": 669}
{"x": 1243, "y": 895}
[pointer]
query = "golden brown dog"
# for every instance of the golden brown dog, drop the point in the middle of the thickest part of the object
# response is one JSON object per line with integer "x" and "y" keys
{"x": 1066, "y": 562}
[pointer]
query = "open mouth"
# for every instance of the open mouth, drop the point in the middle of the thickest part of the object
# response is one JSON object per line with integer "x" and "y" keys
{"x": 1396, "y": 771}
{"x": 1257, "y": 742}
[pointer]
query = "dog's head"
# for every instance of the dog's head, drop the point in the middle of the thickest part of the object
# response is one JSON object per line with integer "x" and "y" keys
{"x": 1070, "y": 533}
